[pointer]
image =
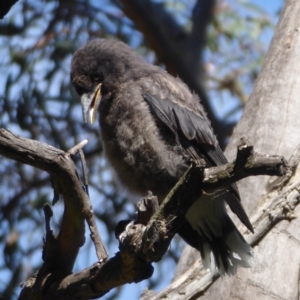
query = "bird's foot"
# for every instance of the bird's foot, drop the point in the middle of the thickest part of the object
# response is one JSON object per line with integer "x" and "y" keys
{"x": 146, "y": 208}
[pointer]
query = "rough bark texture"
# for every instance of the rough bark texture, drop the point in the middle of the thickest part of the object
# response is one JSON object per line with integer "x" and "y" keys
{"x": 271, "y": 120}
{"x": 140, "y": 244}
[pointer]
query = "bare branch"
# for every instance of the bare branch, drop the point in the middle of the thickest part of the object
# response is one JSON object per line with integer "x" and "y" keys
{"x": 59, "y": 252}
{"x": 87, "y": 208}
{"x": 5, "y": 7}
{"x": 77, "y": 148}
{"x": 139, "y": 244}
{"x": 280, "y": 204}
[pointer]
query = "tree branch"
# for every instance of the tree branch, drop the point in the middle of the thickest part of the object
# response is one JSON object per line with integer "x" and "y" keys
{"x": 140, "y": 245}
{"x": 5, "y": 7}
{"x": 279, "y": 204}
{"x": 59, "y": 252}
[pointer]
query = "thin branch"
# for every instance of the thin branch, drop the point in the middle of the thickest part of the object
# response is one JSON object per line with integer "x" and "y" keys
{"x": 95, "y": 236}
{"x": 87, "y": 207}
{"x": 5, "y": 7}
{"x": 59, "y": 252}
{"x": 77, "y": 148}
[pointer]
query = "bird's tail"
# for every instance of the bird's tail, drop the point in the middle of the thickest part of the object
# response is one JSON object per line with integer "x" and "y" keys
{"x": 223, "y": 249}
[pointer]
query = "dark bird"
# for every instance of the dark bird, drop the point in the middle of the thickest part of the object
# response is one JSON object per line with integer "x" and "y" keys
{"x": 150, "y": 123}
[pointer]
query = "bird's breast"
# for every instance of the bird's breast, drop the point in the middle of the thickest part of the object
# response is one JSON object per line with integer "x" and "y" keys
{"x": 134, "y": 146}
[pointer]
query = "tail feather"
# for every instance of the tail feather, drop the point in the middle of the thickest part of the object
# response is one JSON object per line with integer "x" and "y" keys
{"x": 223, "y": 249}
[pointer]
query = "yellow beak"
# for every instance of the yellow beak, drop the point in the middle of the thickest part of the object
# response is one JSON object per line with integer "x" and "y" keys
{"x": 90, "y": 103}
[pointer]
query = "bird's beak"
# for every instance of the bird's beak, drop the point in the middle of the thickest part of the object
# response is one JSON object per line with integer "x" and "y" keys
{"x": 90, "y": 103}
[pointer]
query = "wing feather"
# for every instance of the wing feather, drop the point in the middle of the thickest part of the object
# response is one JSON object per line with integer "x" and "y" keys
{"x": 193, "y": 133}
{"x": 181, "y": 120}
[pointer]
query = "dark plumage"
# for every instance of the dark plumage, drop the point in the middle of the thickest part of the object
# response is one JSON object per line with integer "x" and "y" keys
{"x": 150, "y": 122}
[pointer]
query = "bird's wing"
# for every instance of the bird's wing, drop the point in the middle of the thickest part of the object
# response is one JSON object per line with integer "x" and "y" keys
{"x": 193, "y": 133}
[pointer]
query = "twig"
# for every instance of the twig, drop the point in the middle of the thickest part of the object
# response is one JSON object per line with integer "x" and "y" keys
{"x": 84, "y": 172}
{"x": 74, "y": 150}
{"x": 95, "y": 236}
{"x": 87, "y": 206}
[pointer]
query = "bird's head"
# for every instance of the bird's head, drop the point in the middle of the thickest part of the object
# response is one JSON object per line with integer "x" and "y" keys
{"x": 99, "y": 67}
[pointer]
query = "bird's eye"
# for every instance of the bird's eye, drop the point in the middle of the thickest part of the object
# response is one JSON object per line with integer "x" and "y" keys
{"x": 97, "y": 77}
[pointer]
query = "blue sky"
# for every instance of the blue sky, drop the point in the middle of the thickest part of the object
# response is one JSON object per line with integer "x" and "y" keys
{"x": 271, "y": 6}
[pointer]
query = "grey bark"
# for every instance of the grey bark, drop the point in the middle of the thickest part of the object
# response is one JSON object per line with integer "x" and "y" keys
{"x": 271, "y": 122}
{"x": 271, "y": 119}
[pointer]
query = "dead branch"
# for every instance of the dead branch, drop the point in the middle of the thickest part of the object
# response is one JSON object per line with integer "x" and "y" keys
{"x": 140, "y": 245}
{"x": 5, "y": 7}
{"x": 279, "y": 204}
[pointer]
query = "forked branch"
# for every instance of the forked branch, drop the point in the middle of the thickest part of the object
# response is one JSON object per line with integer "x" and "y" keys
{"x": 141, "y": 242}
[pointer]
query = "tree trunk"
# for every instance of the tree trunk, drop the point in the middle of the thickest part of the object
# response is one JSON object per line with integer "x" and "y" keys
{"x": 271, "y": 122}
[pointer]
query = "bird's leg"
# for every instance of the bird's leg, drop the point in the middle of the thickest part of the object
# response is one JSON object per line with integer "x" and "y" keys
{"x": 130, "y": 232}
{"x": 141, "y": 236}
{"x": 146, "y": 208}
{"x": 194, "y": 162}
